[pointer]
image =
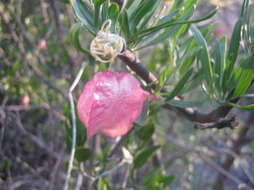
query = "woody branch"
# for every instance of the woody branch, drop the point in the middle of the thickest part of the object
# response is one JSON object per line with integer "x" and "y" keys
{"x": 130, "y": 59}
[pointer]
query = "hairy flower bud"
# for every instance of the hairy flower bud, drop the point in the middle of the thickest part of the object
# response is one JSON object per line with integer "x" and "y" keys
{"x": 110, "y": 102}
{"x": 106, "y": 45}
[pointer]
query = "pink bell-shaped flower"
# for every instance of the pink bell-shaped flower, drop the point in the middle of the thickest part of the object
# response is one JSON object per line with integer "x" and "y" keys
{"x": 110, "y": 102}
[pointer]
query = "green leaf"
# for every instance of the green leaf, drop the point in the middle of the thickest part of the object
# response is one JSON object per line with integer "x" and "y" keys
{"x": 98, "y": 2}
{"x": 143, "y": 12}
{"x": 190, "y": 3}
{"x": 68, "y": 136}
{"x": 243, "y": 83}
{"x": 143, "y": 157}
{"x": 103, "y": 184}
{"x": 247, "y": 107}
{"x": 195, "y": 82}
{"x": 104, "y": 10}
{"x": 182, "y": 13}
{"x": 167, "y": 33}
{"x": 220, "y": 62}
{"x": 191, "y": 52}
{"x": 145, "y": 132}
{"x": 245, "y": 7}
{"x": 177, "y": 4}
{"x": 133, "y": 6}
{"x": 169, "y": 17}
{"x": 81, "y": 130}
{"x": 165, "y": 75}
{"x": 179, "y": 86}
{"x": 68, "y": 129}
{"x": 235, "y": 44}
{"x": 83, "y": 13}
{"x": 74, "y": 36}
{"x": 158, "y": 27}
{"x": 167, "y": 180}
{"x": 81, "y": 133}
{"x": 4, "y": 165}
{"x": 82, "y": 154}
{"x": 156, "y": 180}
{"x": 233, "y": 50}
{"x": 232, "y": 83}
{"x": 97, "y": 7}
{"x": 184, "y": 104}
{"x": 124, "y": 24}
{"x": 113, "y": 13}
{"x": 149, "y": 15}
{"x": 204, "y": 54}
{"x": 248, "y": 63}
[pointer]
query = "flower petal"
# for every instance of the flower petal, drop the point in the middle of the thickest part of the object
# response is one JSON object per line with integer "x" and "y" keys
{"x": 110, "y": 102}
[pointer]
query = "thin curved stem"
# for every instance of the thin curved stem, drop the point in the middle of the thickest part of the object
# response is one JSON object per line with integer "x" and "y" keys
{"x": 74, "y": 125}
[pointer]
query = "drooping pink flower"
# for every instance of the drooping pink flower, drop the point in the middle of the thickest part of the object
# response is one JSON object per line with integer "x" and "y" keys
{"x": 110, "y": 102}
{"x": 25, "y": 100}
{"x": 42, "y": 45}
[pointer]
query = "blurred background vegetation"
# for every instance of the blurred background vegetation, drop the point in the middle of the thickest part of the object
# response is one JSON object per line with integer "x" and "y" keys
{"x": 38, "y": 63}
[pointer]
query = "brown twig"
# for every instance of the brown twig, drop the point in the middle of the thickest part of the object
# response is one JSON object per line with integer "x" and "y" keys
{"x": 39, "y": 142}
{"x": 44, "y": 7}
{"x": 200, "y": 117}
{"x": 130, "y": 59}
{"x": 222, "y": 123}
{"x": 16, "y": 38}
{"x": 236, "y": 148}
{"x": 59, "y": 31}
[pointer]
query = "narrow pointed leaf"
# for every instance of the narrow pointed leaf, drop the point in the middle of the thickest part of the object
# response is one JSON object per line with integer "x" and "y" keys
{"x": 143, "y": 157}
{"x": 204, "y": 54}
{"x": 133, "y": 7}
{"x": 82, "y": 154}
{"x": 84, "y": 15}
{"x": 143, "y": 12}
{"x": 165, "y": 75}
{"x": 233, "y": 49}
{"x": 179, "y": 86}
{"x": 168, "y": 24}
{"x": 74, "y": 36}
{"x": 247, "y": 107}
{"x": 113, "y": 14}
{"x": 248, "y": 63}
{"x": 124, "y": 24}
{"x": 244, "y": 82}
{"x": 220, "y": 62}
